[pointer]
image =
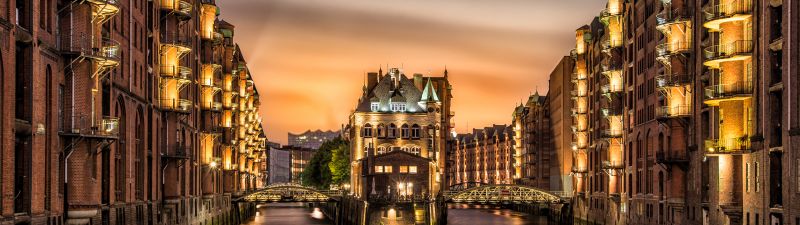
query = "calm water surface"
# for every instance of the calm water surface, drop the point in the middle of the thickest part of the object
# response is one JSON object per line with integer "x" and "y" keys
{"x": 297, "y": 214}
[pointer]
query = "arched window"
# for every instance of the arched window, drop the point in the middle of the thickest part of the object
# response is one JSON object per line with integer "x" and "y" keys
{"x": 367, "y": 131}
{"x": 404, "y": 131}
{"x": 414, "y": 150}
{"x": 381, "y": 150}
{"x": 381, "y": 131}
{"x": 392, "y": 131}
{"x": 415, "y": 131}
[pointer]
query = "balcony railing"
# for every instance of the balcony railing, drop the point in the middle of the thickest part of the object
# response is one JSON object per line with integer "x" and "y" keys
{"x": 104, "y": 49}
{"x": 578, "y": 93}
{"x": 608, "y": 44}
{"x": 671, "y": 48}
{"x": 104, "y": 9}
{"x": 105, "y": 127}
{"x": 726, "y": 91}
{"x": 578, "y": 76}
{"x": 612, "y": 164}
{"x": 728, "y": 145}
{"x": 672, "y": 80}
{"x": 579, "y": 111}
{"x": 741, "y": 47}
{"x": 612, "y": 133}
{"x": 609, "y": 88}
{"x": 176, "y": 105}
{"x": 672, "y": 157}
{"x": 722, "y": 11}
{"x": 175, "y": 71}
{"x": 579, "y": 169}
{"x": 181, "y": 8}
{"x": 673, "y": 111}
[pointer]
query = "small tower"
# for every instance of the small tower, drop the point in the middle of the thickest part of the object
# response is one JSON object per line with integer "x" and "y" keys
{"x": 430, "y": 100}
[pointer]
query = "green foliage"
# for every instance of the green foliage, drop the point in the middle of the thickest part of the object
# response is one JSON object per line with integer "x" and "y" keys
{"x": 340, "y": 164}
{"x": 318, "y": 172}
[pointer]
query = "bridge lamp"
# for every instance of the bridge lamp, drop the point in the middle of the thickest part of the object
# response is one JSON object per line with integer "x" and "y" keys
{"x": 213, "y": 164}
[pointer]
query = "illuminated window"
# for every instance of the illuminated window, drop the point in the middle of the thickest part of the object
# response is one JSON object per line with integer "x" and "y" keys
{"x": 404, "y": 131}
{"x": 414, "y": 150}
{"x": 758, "y": 178}
{"x": 403, "y": 169}
{"x": 367, "y": 132}
{"x": 392, "y": 131}
{"x": 398, "y": 106}
{"x": 415, "y": 131}
{"x": 378, "y": 169}
{"x": 387, "y": 169}
{"x": 412, "y": 169}
{"x": 374, "y": 106}
{"x": 747, "y": 177}
{"x": 381, "y": 150}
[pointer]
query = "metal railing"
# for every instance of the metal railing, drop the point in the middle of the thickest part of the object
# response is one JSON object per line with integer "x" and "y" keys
{"x": 578, "y": 93}
{"x": 612, "y": 133}
{"x": 178, "y": 6}
{"x": 728, "y": 145}
{"x": 727, "y": 50}
{"x": 83, "y": 125}
{"x": 669, "y": 80}
{"x": 91, "y": 46}
{"x": 177, "y": 105}
{"x": 608, "y": 44}
{"x": 665, "y": 49}
{"x": 176, "y": 71}
{"x": 673, "y": 111}
{"x": 722, "y": 91}
{"x": 612, "y": 164}
{"x": 673, "y": 156}
{"x": 721, "y": 11}
{"x": 609, "y": 88}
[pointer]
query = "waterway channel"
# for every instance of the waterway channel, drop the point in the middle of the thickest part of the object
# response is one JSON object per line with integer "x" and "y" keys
{"x": 298, "y": 214}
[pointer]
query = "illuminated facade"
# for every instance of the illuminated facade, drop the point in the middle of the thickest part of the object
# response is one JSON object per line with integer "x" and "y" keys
{"x": 399, "y": 122}
{"x": 111, "y": 123}
{"x": 484, "y": 156}
{"x": 686, "y": 119}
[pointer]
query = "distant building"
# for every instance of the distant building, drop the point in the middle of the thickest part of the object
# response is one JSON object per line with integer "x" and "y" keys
{"x": 312, "y": 139}
{"x": 484, "y": 156}
{"x": 280, "y": 163}
{"x": 299, "y": 159}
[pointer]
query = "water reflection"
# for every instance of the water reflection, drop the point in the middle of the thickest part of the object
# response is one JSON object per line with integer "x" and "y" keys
{"x": 479, "y": 215}
{"x": 288, "y": 214}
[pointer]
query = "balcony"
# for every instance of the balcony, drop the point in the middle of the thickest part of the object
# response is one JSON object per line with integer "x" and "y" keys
{"x": 672, "y": 157}
{"x": 612, "y": 165}
{"x": 105, "y": 52}
{"x": 607, "y": 15}
{"x": 611, "y": 89}
{"x": 609, "y": 45}
{"x": 728, "y": 92}
{"x": 104, "y": 128}
{"x": 670, "y": 16}
{"x": 578, "y": 93}
{"x": 737, "y": 50}
{"x": 576, "y": 76}
{"x": 579, "y": 170}
{"x": 728, "y": 146}
{"x": 672, "y": 80}
{"x": 180, "y": 8}
{"x": 612, "y": 133}
{"x": 729, "y": 12}
{"x": 673, "y": 48}
{"x": 102, "y": 10}
{"x": 176, "y": 72}
{"x": 213, "y": 106}
{"x": 668, "y": 112}
{"x": 576, "y": 111}
{"x": 182, "y": 106}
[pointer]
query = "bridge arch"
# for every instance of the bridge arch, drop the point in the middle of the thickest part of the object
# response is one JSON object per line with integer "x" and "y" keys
{"x": 503, "y": 193}
{"x": 292, "y": 193}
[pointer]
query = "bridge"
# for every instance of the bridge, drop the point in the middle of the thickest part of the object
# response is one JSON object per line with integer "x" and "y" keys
{"x": 500, "y": 194}
{"x": 293, "y": 193}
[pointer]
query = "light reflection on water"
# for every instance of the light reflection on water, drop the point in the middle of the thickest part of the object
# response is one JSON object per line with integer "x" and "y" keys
{"x": 482, "y": 214}
{"x": 298, "y": 214}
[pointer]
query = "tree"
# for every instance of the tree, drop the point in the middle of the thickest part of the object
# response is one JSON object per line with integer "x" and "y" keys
{"x": 318, "y": 171}
{"x": 340, "y": 164}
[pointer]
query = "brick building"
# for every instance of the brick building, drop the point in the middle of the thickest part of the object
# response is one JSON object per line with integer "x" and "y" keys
{"x": 484, "y": 157}
{"x": 684, "y": 113}
{"x": 125, "y": 113}
{"x": 400, "y": 113}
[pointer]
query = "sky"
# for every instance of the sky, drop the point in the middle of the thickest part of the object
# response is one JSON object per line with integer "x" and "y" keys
{"x": 308, "y": 57}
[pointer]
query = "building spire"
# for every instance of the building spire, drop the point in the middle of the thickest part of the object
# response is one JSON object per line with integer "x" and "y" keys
{"x": 445, "y": 71}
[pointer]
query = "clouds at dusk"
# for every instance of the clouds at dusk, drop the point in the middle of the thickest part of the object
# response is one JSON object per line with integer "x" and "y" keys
{"x": 308, "y": 58}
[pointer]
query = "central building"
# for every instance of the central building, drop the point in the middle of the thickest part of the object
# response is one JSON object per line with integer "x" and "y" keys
{"x": 398, "y": 134}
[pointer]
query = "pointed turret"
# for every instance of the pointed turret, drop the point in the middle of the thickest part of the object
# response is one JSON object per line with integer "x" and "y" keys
{"x": 429, "y": 93}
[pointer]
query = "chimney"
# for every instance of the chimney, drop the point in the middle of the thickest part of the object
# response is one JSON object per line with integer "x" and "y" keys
{"x": 418, "y": 81}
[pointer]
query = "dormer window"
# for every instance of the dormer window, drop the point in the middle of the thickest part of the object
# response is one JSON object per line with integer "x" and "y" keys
{"x": 374, "y": 106}
{"x": 398, "y": 106}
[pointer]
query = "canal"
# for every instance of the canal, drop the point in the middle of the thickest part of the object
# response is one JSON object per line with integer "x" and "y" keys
{"x": 298, "y": 214}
